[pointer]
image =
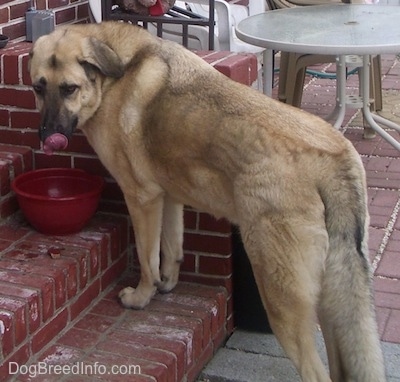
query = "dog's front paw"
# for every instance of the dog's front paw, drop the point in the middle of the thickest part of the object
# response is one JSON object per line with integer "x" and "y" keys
{"x": 135, "y": 298}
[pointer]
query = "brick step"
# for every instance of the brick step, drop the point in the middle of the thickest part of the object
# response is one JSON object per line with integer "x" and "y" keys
{"x": 41, "y": 293}
{"x": 171, "y": 340}
{"x": 58, "y": 303}
{"x": 14, "y": 160}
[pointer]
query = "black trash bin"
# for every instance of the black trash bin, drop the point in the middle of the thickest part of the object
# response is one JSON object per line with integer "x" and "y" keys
{"x": 249, "y": 312}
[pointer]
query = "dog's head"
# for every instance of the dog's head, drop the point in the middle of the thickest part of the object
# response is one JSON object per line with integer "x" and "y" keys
{"x": 68, "y": 69}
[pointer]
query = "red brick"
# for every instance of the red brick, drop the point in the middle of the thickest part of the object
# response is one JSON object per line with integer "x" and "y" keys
{"x": 83, "y": 11}
{"x": 207, "y": 243}
{"x": 4, "y": 117}
{"x": 183, "y": 335}
{"x": 85, "y": 298}
{"x": 194, "y": 314}
{"x": 4, "y": 244}
{"x": 24, "y": 152}
{"x": 61, "y": 355}
{"x": 65, "y": 15}
{"x": 221, "y": 266}
{"x": 239, "y": 68}
{"x": 45, "y": 161}
{"x": 132, "y": 349}
{"x": 15, "y": 161}
{"x": 382, "y": 317}
{"x": 19, "y": 311}
{"x": 197, "y": 278}
{"x": 8, "y": 206}
{"x": 25, "y": 119}
{"x": 204, "y": 358}
{"x": 191, "y": 218}
{"x": 79, "y": 338}
{"x": 7, "y": 333}
{"x": 386, "y": 285}
{"x": 26, "y": 78}
{"x": 37, "y": 254}
{"x": 18, "y": 97}
{"x": 4, "y": 178}
{"x": 44, "y": 284}
{"x": 92, "y": 165}
{"x": 177, "y": 348}
{"x": 189, "y": 263}
{"x": 49, "y": 331}
{"x": 95, "y": 323}
{"x": 392, "y": 330}
{"x": 148, "y": 369}
{"x": 11, "y": 67}
{"x": 389, "y": 265}
{"x": 20, "y": 357}
{"x": 81, "y": 257}
{"x": 57, "y": 275}
{"x": 117, "y": 229}
{"x": 387, "y": 300}
{"x": 105, "y": 308}
{"x": 193, "y": 326}
{"x": 213, "y": 57}
{"x": 13, "y": 232}
{"x": 219, "y": 295}
{"x": 80, "y": 244}
{"x": 14, "y": 31}
{"x": 113, "y": 191}
{"x": 18, "y": 10}
{"x": 57, "y": 3}
{"x": 4, "y": 15}
{"x": 31, "y": 299}
{"x": 114, "y": 271}
{"x": 207, "y": 304}
{"x": 20, "y": 138}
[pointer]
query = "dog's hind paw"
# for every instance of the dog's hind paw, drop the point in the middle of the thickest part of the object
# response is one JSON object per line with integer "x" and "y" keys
{"x": 135, "y": 298}
{"x": 166, "y": 284}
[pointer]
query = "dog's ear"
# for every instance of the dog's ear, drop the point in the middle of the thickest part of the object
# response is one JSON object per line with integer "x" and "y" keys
{"x": 100, "y": 55}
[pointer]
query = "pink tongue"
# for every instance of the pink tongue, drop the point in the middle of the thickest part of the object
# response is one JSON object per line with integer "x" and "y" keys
{"x": 55, "y": 142}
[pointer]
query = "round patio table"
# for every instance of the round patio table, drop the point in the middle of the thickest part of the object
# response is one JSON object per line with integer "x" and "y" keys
{"x": 336, "y": 29}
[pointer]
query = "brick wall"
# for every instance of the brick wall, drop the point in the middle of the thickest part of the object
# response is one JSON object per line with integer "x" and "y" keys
{"x": 12, "y": 14}
{"x": 207, "y": 245}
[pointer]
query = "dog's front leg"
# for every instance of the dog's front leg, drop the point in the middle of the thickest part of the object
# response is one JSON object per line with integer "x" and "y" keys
{"x": 147, "y": 220}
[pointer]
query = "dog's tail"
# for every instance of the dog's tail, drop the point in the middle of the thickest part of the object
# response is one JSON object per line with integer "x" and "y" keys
{"x": 346, "y": 311}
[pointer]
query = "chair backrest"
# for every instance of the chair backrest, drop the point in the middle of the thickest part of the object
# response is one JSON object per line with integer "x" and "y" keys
{"x": 227, "y": 16}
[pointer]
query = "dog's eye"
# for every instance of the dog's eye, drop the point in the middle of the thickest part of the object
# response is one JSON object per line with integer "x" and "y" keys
{"x": 38, "y": 89}
{"x": 67, "y": 90}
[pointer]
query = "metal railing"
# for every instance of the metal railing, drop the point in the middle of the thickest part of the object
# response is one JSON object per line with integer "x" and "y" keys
{"x": 175, "y": 15}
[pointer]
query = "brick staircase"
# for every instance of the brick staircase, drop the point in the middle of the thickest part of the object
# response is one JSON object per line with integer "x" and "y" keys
{"x": 60, "y": 319}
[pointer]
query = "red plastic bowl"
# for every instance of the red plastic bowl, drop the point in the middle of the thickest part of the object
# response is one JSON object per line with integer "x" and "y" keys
{"x": 58, "y": 201}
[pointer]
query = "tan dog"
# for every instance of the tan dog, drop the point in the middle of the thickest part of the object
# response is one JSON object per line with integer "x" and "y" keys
{"x": 174, "y": 131}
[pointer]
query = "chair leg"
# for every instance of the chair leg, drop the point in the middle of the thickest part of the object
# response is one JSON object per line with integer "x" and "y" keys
{"x": 287, "y": 75}
{"x": 376, "y": 82}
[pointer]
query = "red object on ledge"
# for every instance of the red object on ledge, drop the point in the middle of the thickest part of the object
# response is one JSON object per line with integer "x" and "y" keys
{"x": 157, "y": 9}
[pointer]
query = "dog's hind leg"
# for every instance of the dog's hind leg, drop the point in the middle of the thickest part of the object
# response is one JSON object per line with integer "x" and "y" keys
{"x": 147, "y": 220}
{"x": 287, "y": 256}
{"x": 171, "y": 244}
